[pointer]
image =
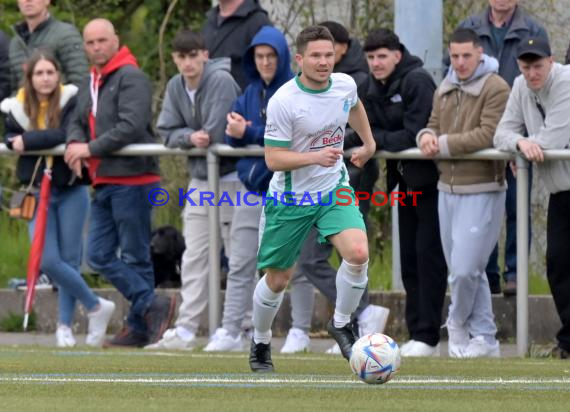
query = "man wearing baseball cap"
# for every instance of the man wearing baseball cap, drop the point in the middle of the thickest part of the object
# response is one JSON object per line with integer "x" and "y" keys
{"x": 540, "y": 103}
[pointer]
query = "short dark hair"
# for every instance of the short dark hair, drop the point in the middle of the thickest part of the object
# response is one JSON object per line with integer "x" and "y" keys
{"x": 186, "y": 41}
{"x": 312, "y": 33}
{"x": 382, "y": 39}
{"x": 465, "y": 36}
{"x": 338, "y": 31}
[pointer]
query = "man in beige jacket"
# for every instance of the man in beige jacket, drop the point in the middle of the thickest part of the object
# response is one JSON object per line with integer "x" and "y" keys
{"x": 466, "y": 110}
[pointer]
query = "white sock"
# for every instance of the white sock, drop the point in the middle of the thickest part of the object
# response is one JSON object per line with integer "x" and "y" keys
{"x": 265, "y": 306}
{"x": 351, "y": 281}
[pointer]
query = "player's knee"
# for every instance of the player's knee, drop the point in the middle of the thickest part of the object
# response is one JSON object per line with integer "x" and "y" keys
{"x": 278, "y": 281}
{"x": 357, "y": 254}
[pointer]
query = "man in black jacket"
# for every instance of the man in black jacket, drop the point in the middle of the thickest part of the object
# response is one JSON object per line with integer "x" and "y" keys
{"x": 4, "y": 66}
{"x": 398, "y": 99}
{"x": 229, "y": 29}
{"x": 114, "y": 110}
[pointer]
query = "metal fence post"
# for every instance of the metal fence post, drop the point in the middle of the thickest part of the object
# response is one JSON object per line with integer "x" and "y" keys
{"x": 522, "y": 255}
{"x": 215, "y": 243}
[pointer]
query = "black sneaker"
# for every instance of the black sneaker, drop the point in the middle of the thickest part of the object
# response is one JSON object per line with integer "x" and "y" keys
{"x": 260, "y": 357}
{"x": 345, "y": 337}
{"x": 158, "y": 316}
{"x": 510, "y": 288}
{"x": 559, "y": 353}
{"x": 127, "y": 338}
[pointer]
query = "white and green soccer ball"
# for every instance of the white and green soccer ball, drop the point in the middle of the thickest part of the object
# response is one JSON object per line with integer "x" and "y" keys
{"x": 375, "y": 358}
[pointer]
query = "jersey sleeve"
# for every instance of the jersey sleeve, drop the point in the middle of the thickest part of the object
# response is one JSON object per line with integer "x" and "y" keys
{"x": 278, "y": 128}
{"x": 353, "y": 93}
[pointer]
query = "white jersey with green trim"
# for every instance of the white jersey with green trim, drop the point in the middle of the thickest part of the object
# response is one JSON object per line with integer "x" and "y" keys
{"x": 306, "y": 120}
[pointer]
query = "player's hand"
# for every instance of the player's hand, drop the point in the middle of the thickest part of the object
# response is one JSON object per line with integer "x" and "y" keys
{"x": 236, "y": 125}
{"x": 429, "y": 145}
{"x": 361, "y": 155}
{"x": 200, "y": 139}
{"x": 531, "y": 150}
{"x": 328, "y": 156}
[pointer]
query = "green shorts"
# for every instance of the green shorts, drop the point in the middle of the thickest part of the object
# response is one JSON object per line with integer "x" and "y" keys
{"x": 283, "y": 229}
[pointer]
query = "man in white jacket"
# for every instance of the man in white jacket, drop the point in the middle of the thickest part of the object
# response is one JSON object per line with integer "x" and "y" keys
{"x": 540, "y": 103}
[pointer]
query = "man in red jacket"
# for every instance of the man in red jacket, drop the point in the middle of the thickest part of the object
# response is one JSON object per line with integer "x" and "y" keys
{"x": 114, "y": 110}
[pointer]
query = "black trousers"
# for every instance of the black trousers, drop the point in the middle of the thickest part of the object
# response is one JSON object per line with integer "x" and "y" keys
{"x": 558, "y": 260}
{"x": 424, "y": 271}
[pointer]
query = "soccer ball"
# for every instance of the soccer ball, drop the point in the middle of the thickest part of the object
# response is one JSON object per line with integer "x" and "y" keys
{"x": 375, "y": 358}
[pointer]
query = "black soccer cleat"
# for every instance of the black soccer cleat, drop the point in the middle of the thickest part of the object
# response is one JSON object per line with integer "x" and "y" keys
{"x": 260, "y": 357}
{"x": 344, "y": 336}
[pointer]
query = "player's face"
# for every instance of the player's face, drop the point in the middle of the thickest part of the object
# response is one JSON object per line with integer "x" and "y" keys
{"x": 536, "y": 73}
{"x": 191, "y": 64}
{"x": 45, "y": 78}
{"x": 265, "y": 62}
{"x": 316, "y": 63}
{"x": 382, "y": 62}
{"x": 465, "y": 58}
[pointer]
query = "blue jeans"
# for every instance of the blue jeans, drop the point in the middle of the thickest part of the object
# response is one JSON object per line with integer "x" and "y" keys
{"x": 119, "y": 244}
{"x": 510, "y": 272}
{"x": 61, "y": 259}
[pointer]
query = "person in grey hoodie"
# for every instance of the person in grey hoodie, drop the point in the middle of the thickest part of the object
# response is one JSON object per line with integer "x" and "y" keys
{"x": 467, "y": 107}
{"x": 193, "y": 114}
{"x": 539, "y": 104}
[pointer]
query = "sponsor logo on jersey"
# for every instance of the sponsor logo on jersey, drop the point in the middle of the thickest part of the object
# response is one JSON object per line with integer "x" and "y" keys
{"x": 329, "y": 137}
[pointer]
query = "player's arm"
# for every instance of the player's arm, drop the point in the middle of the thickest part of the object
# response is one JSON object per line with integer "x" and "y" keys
{"x": 281, "y": 159}
{"x": 358, "y": 120}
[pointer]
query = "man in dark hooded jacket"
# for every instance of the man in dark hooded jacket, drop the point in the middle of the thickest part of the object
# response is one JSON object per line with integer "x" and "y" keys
{"x": 4, "y": 66}
{"x": 229, "y": 29}
{"x": 398, "y": 97}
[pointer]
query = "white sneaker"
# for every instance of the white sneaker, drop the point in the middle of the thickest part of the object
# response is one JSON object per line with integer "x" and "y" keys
{"x": 416, "y": 348}
{"x": 172, "y": 340}
{"x": 334, "y": 350}
{"x": 406, "y": 347}
{"x": 64, "y": 337}
{"x": 458, "y": 339}
{"x": 479, "y": 348}
{"x": 98, "y": 322}
{"x": 222, "y": 341}
{"x": 297, "y": 341}
{"x": 373, "y": 320}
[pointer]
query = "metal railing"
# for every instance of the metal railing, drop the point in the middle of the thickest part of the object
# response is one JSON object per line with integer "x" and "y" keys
{"x": 214, "y": 152}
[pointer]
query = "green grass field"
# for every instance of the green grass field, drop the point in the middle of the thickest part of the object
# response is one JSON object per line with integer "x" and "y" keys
{"x": 34, "y": 378}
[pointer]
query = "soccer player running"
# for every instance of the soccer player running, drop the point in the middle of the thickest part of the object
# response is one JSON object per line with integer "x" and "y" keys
{"x": 304, "y": 135}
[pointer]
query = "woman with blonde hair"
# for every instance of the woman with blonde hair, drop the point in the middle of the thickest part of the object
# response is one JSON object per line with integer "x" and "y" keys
{"x": 36, "y": 119}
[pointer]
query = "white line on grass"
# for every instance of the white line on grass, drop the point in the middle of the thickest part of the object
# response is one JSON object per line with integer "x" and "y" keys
{"x": 214, "y": 379}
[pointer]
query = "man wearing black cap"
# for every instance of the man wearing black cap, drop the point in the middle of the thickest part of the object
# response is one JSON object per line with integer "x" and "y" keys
{"x": 540, "y": 103}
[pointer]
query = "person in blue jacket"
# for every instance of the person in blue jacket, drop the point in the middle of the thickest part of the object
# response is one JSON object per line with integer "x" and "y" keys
{"x": 267, "y": 65}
